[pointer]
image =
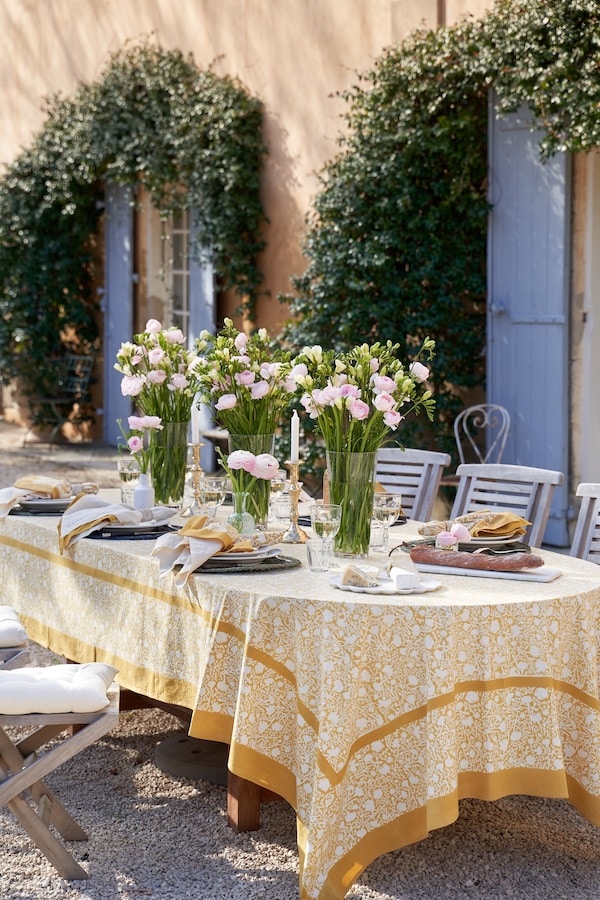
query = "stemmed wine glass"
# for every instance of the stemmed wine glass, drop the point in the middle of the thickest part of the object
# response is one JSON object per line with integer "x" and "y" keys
{"x": 325, "y": 520}
{"x": 211, "y": 494}
{"x": 386, "y": 509}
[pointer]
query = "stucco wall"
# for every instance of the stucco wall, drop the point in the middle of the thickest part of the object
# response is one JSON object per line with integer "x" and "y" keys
{"x": 295, "y": 55}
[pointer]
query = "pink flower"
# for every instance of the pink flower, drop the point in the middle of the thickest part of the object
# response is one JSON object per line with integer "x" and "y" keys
{"x": 136, "y": 359}
{"x": 227, "y": 401}
{"x": 374, "y": 364}
{"x": 392, "y": 418}
{"x": 136, "y": 422}
{"x": 242, "y": 459}
{"x": 299, "y": 371}
{"x": 384, "y": 384}
{"x": 153, "y": 326}
{"x": 156, "y": 355}
{"x": 246, "y": 377}
{"x": 358, "y": 409}
{"x": 419, "y": 371}
{"x": 269, "y": 370}
{"x": 460, "y": 532}
{"x": 350, "y": 390}
{"x": 135, "y": 443}
{"x": 266, "y": 466}
{"x": 179, "y": 381}
{"x": 329, "y": 395}
{"x": 131, "y": 385}
{"x": 157, "y": 376}
{"x": 445, "y": 540}
{"x": 259, "y": 390}
{"x": 240, "y": 342}
{"x": 384, "y": 402}
{"x": 174, "y": 336}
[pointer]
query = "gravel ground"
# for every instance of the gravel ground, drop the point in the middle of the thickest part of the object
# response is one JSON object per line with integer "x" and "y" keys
{"x": 156, "y": 836}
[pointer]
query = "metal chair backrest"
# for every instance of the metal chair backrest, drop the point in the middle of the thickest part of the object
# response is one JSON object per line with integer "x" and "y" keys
{"x": 481, "y": 432}
{"x": 415, "y": 474}
{"x": 586, "y": 539}
{"x": 73, "y": 376}
{"x": 524, "y": 490}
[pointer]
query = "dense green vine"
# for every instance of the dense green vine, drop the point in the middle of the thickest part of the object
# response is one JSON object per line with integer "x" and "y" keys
{"x": 396, "y": 243}
{"x": 190, "y": 138}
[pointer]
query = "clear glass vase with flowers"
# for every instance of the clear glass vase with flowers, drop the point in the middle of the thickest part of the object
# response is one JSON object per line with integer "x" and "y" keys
{"x": 357, "y": 399}
{"x": 250, "y": 477}
{"x": 245, "y": 379}
{"x": 138, "y": 441}
{"x": 159, "y": 374}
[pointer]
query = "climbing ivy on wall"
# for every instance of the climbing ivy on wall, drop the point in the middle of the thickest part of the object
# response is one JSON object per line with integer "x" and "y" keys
{"x": 396, "y": 242}
{"x": 153, "y": 119}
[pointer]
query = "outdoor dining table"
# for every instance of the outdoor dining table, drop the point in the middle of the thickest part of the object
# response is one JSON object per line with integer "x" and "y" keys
{"x": 372, "y": 715}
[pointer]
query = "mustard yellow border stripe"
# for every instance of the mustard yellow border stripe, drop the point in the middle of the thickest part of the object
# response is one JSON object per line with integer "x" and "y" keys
{"x": 442, "y": 811}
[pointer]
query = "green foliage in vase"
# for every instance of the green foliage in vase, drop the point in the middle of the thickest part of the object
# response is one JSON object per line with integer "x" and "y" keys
{"x": 396, "y": 242}
{"x": 153, "y": 118}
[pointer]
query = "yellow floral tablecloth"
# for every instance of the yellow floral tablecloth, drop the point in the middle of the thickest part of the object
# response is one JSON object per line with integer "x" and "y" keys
{"x": 372, "y": 715}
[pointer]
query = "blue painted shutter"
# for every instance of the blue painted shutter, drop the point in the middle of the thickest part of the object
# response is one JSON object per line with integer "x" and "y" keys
{"x": 118, "y": 302}
{"x": 528, "y": 302}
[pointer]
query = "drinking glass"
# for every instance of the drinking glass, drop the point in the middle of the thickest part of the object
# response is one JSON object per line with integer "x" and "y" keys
{"x": 129, "y": 473}
{"x": 211, "y": 494}
{"x": 386, "y": 509}
{"x": 319, "y": 555}
{"x": 278, "y": 484}
{"x": 325, "y": 520}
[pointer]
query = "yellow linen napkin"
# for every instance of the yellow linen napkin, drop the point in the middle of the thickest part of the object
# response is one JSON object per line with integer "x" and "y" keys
{"x": 192, "y": 545}
{"x": 88, "y": 512}
{"x": 502, "y": 524}
{"x": 44, "y": 486}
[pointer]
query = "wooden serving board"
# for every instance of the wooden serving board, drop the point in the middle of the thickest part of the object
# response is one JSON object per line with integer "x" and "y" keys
{"x": 543, "y": 573}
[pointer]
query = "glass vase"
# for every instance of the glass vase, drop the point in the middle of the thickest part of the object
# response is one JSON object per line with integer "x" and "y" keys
{"x": 351, "y": 479}
{"x": 168, "y": 461}
{"x": 258, "y": 489}
{"x": 239, "y": 518}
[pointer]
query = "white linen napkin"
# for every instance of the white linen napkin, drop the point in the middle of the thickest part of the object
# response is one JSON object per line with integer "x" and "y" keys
{"x": 88, "y": 512}
{"x": 9, "y": 497}
{"x": 196, "y": 542}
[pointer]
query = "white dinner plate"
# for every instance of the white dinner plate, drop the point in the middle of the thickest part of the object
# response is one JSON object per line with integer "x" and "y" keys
{"x": 46, "y": 504}
{"x": 247, "y": 556}
{"x": 491, "y": 541}
{"x": 385, "y": 586}
{"x": 110, "y": 528}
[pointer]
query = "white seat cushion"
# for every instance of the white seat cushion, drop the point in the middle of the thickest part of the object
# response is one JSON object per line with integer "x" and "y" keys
{"x": 12, "y": 632}
{"x": 67, "y": 688}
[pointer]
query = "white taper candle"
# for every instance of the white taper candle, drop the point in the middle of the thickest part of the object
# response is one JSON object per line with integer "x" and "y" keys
{"x": 295, "y": 439}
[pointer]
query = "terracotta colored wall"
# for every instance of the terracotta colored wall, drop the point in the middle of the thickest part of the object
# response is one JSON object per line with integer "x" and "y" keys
{"x": 293, "y": 54}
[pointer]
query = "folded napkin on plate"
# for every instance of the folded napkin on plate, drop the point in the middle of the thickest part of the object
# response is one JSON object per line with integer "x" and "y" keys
{"x": 32, "y": 486}
{"x": 482, "y": 523}
{"x": 88, "y": 512}
{"x": 192, "y": 545}
{"x": 501, "y": 524}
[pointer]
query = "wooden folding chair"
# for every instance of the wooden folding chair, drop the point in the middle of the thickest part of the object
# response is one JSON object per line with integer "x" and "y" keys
{"x": 14, "y": 651}
{"x": 22, "y": 769}
{"x": 415, "y": 474}
{"x": 586, "y": 539}
{"x": 524, "y": 490}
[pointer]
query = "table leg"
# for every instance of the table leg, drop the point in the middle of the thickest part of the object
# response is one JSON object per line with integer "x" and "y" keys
{"x": 243, "y": 804}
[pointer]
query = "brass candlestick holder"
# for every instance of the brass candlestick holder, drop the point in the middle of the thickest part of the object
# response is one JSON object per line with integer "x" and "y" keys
{"x": 197, "y": 474}
{"x": 294, "y": 535}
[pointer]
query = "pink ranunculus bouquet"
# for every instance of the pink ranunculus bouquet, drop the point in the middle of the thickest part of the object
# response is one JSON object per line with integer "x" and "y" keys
{"x": 159, "y": 372}
{"x": 359, "y": 397}
{"x": 245, "y": 378}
